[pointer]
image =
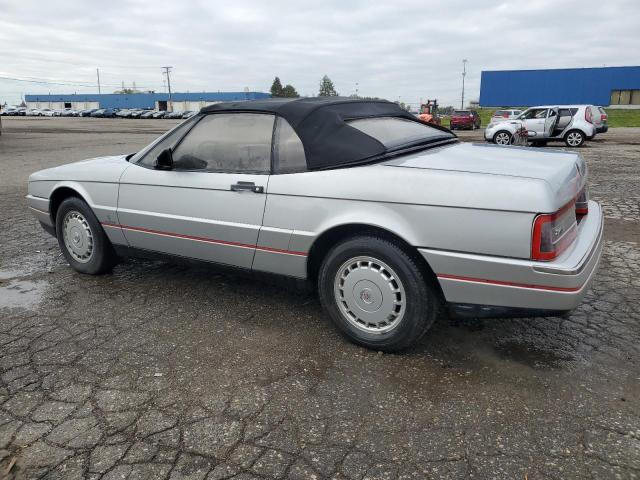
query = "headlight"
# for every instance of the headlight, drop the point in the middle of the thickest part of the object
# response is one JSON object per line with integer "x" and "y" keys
{"x": 491, "y": 125}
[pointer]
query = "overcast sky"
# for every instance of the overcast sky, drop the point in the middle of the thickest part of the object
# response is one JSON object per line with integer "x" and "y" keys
{"x": 407, "y": 50}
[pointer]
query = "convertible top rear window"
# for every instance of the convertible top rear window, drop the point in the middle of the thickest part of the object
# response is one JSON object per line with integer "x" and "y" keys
{"x": 394, "y": 132}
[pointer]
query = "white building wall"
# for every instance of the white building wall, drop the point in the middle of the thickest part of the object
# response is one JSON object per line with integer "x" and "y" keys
{"x": 186, "y": 105}
{"x": 60, "y": 105}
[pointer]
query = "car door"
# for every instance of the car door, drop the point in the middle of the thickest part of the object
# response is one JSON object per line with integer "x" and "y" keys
{"x": 565, "y": 117}
{"x": 534, "y": 120}
{"x": 550, "y": 122}
{"x": 210, "y": 203}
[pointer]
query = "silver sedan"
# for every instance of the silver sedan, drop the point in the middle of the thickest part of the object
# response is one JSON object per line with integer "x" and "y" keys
{"x": 392, "y": 219}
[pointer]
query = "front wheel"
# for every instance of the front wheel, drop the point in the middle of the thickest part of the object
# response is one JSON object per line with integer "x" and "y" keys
{"x": 82, "y": 239}
{"x": 502, "y": 138}
{"x": 574, "y": 138}
{"x": 376, "y": 294}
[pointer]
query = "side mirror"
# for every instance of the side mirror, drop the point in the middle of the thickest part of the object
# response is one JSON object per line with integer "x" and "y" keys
{"x": 164, "y": 160}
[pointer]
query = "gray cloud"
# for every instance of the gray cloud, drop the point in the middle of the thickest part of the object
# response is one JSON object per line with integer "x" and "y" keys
{"x": 407, "y": 49}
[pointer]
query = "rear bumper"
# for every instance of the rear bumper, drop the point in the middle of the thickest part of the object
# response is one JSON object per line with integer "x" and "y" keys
{"x": 554, "y": 286}
{"x": 461, "y": 123}
{"x": 602, "y": 129}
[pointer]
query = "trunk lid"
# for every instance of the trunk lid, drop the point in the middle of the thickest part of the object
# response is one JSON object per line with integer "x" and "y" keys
{"x": 564, "y": 172}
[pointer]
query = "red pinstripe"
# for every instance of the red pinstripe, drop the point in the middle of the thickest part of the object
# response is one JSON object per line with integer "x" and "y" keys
{"x": 508, "y": 284}
{"x": 205, "y": 239}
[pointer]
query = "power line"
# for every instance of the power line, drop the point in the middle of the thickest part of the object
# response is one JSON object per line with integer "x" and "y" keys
{"x": 61, "y": 82}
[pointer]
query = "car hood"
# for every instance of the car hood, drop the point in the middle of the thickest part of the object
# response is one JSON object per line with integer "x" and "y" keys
{"x": 564, "y": 172}
{"x": 101, "y": 169}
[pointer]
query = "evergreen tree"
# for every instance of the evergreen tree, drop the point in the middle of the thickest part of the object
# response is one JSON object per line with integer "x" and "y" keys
{"x": 326, "y": 88}
{"x": 289, "y": 91}
{"x": 276, "y": 88}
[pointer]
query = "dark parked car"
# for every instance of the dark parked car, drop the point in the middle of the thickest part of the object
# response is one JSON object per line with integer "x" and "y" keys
{"x": 104, "y": 113}
{"x": 88, "y": 112}
{"x": 468, "y": 119}
{"x": 136, "y": 113}
{"x": 147, "y": 114}
{"x": 160, "y": 114}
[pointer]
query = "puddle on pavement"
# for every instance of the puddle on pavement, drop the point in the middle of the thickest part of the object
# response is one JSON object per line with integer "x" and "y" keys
{"x": 25, "y": 294}
{"x": 9, "y": 274}
{"x": 532, "y": 356}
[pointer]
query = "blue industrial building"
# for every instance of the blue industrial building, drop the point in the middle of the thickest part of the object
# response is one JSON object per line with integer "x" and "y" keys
{"x": 615, "y": 86}
{"x": 138, "y": 100}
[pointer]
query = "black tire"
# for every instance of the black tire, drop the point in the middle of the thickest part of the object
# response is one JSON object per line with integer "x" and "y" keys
{"x": 102, "y": 257}
{"x": 574, "y": 134}
{"x": 421, "y": 300}
{"x": 498, "y": 134}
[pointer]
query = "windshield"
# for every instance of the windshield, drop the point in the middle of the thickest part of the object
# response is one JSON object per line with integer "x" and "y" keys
{"x": 395, "y": 132}
{"x": 462, "y": 113}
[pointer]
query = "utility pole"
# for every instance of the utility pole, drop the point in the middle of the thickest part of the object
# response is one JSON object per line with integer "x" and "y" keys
{"x": 464, "y": 74}
{"x": 98, "y": 73}
{"x": 167, "y": 70}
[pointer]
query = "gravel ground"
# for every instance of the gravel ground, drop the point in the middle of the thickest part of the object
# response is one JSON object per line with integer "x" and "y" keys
{"x": 162, "y": 371}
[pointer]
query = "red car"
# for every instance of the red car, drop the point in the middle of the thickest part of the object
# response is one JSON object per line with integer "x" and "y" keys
{"x": 467, "y": 119}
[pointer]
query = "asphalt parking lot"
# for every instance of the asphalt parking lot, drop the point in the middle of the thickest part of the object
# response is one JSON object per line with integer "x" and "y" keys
{"x": 162, "y": 371}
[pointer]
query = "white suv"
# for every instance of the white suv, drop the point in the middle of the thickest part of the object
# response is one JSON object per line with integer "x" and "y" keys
{"x": 572, "y": 124}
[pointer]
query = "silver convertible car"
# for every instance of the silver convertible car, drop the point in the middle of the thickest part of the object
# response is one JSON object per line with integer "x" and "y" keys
{"x": 391, "y": 218}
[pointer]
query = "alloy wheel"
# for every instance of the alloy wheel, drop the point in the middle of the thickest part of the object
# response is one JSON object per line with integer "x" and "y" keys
{"x": 503, "y": 138}
{"x": 574, "y": 139}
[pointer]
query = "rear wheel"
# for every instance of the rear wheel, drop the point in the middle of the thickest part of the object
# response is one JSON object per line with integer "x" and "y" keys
{"x": 376, "y": 294}
{"x": 502, "y": 138}
{"x": 82, "y": 239}
{"x": 574, "y": 138}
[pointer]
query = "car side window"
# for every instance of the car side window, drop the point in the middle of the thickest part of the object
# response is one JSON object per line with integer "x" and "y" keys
{"x": 565, "y": 112}
{"x": 288, "y": 151}
{"x": 227, "y": 142}
{"x": 147, "y": 157}
{"x": 534, "y": 113}
{"x": 542, "y": 113}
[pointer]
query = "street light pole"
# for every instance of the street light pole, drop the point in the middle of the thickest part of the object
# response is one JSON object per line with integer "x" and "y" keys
{"x": 464, "y": 74}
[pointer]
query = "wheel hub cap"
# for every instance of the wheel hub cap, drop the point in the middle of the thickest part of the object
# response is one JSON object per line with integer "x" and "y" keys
{"x": 369, "y": 295}
{"x": 78, "y": 238}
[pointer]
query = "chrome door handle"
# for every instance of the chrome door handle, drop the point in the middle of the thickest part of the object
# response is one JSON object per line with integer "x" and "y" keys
{"x": 247, "y": 186}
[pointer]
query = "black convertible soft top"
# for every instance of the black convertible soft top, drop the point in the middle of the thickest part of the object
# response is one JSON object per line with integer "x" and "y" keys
{"x": 321, "y": 123}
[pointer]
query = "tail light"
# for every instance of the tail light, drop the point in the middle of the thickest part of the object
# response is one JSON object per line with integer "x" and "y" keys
{"x": 553, "y": 233}
{"x": 588, "y": 116}
{"x": 582, "y": 202}
{"x": 603, "y": 117}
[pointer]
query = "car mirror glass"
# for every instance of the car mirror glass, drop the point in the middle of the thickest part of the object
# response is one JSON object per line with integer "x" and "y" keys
{"x": 164, "y": 161}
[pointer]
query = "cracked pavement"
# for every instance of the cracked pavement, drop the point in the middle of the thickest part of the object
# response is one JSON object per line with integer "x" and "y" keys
{"x": 164, "y": 371}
